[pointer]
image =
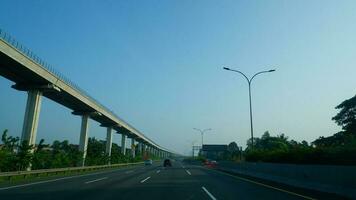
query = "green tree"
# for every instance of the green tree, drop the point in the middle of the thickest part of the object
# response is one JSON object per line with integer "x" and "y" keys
{"x": 96, "y": 152}
{"x": 347, "y": 115}
{"x": 9, "y": 142}
{"x": 267, "y": 142}
{"x": 233, "y": 151}
{"x": 24, "y": 155}
{"x": 7, "y": 152}
{"x": 41, "y": 157}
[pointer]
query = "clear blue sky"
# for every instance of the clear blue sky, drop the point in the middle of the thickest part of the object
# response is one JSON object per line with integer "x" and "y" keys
{"x": 158, "y": 65}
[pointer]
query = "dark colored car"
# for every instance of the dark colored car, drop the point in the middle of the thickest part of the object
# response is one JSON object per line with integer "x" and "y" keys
{"x": 167, "y": 163}
{"x": 210, "y": 163}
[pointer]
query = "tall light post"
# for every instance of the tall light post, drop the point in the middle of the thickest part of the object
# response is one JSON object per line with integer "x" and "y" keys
{"x": 202, "y": 134}
{"x": 249, "y": 92}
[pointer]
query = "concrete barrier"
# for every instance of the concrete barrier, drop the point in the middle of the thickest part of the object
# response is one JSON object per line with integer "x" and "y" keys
{"x": 339, "y": 180}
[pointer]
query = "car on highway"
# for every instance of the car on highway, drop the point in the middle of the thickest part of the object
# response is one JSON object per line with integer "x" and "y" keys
{"x": 167, "y": 163}
{"x": 210, "y": 163}
{"x": 148, "y": 162}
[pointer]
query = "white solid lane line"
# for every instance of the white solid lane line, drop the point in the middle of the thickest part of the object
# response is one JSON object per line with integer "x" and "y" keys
{"x": 207, "y": 192}
{"x": 95, "y": 180}
{"x": 127, "y": 172}
{"x": 158, "y": 171}
{"x": 145, "y": 179}
{"x": 53, "y": 180}
{"x": 188, "y": 172}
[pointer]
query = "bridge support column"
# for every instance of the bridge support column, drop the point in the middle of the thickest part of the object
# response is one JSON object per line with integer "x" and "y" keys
{"x": 32, "y": 113}
{"x": 30, "y": 122}
{"x": 138, "y": 149}
{"x": 148, "y": 150}
{"x": 123, "y": 144}
{"x": 144, "y": 150}
{"x": 83, "y": 140}
{"x": 109, "y": 142}
{"x": 133, "y": 147}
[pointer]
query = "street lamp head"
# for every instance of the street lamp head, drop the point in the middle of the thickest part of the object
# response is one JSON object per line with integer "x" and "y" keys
{"x": 272, "y": 70}
{"x": 226, "y": 68}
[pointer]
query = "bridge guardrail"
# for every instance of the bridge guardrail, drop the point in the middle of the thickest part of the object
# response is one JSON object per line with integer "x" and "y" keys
{"x": 9, "y": 175}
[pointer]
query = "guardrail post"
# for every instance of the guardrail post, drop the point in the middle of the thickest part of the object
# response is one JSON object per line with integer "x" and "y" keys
{"x": 83, "y": 141}
{"x": 109, "y": 142}
{"x": 123, "y": 143}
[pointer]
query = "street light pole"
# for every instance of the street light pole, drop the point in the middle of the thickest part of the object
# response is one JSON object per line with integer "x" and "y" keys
{"x": 202, "y": 134}
{"x": 249, "y": 93}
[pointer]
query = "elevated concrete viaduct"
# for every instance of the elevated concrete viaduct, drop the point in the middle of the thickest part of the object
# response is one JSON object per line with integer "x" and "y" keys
{"x": 38, "y": 79}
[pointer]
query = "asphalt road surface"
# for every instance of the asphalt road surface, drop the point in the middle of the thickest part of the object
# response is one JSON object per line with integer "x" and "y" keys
{"x": 179, "y": 182}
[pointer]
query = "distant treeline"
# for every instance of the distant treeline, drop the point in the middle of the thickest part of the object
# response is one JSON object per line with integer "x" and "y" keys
{"x": 15, "y": 156}
{"x": 338, "y": 149}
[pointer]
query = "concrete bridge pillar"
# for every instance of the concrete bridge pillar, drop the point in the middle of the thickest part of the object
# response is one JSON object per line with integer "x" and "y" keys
{"x": 32, "y": 113}
{"x": 144, "y": 149}
{"x": 123, "y": 144}
{"x": 133, "y": 147}
{"x": 138, "y": 148}
{"x": 83, "y": 140}
{"x": 33, "y": 108}
{"x": 148, "y": 150}
{"x": 109, "y": 142}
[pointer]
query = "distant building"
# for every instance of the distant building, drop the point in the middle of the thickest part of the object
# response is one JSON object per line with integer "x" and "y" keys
{"x": 214, "y": 151}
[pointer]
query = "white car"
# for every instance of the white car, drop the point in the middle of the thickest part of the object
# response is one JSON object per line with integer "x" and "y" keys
{"x": 148, "y": 162}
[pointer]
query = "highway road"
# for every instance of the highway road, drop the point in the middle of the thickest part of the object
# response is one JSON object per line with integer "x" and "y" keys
{"x": 181, "y": 181}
